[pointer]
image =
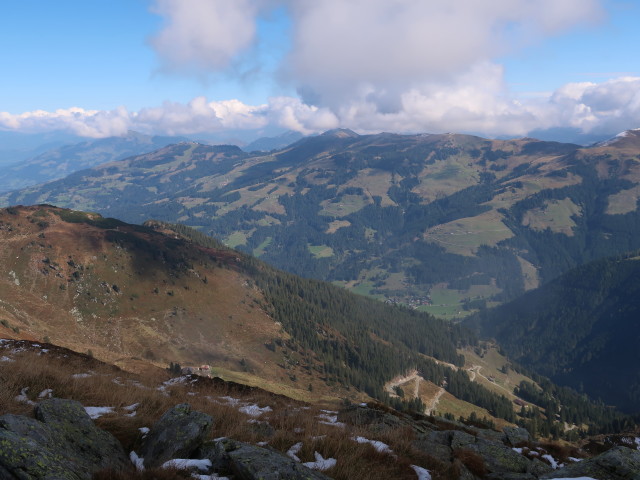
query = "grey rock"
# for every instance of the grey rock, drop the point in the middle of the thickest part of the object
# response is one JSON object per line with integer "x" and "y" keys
{"x": 516, "y": 436}
{"x": 497, "y": 457}
{"x": 377, "y": 421}
{"x": 71, "y": 428}
{"x": 461, "y": 440}
{"x": 492, "y": 435}
{"x": 26, "y": 427}
{"x": 248, "y": 462}
{"x": 500, "y": 458}
{"x": 25, "y": 459}
{"x": 435, "y": 445}
{"x": 619, "y": 463}
{"x": 62, "y": 443}
{"x": 178, "y": 433}
{"x": 538, "y": 467}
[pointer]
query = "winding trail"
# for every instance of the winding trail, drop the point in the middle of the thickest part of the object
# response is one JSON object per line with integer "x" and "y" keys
{"x": 428, "y": 409}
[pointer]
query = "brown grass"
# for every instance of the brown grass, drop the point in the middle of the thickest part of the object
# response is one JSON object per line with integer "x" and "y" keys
{"x": 472, "y": 460}
{"x": 289, "y": 422}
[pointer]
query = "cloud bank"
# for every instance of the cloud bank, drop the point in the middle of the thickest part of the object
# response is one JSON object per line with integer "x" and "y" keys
{"x": 369, "y": 65}
{"x": 465, "y": 105}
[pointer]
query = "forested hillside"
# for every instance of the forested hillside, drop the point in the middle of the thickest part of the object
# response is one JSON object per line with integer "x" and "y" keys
{"x": 444, "y": 223}
{"x": 581, "y": 329}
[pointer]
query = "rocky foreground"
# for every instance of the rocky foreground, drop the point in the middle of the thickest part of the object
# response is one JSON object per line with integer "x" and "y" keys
{"x": 62, "y": 442}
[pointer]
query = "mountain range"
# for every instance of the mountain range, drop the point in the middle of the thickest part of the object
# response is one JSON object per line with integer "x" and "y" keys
{"x": 55, "y": 163}
{"x": 446, "y": 223}
{"x": 163, "y": 294}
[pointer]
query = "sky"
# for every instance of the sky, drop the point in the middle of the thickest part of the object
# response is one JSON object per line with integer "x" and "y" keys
{"x": 182, "y": 67}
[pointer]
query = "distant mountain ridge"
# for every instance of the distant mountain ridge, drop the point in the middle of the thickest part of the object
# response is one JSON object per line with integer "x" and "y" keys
{"x": 61, "y": 161}
{"x": 444, "y": 222}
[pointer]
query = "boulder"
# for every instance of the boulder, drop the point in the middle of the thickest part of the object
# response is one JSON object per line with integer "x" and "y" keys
{"x": 249, "y": 462}
{"x": 61, "y": 443}
{"x": 516, "y": 436}
{"x": 178, "y": 434}
{"x": 436, "y": 444}
{"x": 619, "y": 463}
{"x": 71, "y": 427}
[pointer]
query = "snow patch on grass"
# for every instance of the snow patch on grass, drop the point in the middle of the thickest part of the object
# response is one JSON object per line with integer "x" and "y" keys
{"x": 97, "y": 412}
{"x": 137, "y": 461}
{"x": 379, "y": 446}
{"x": 321, "y": 463}
{"x": 423, "y": 473}
{"x": 23, "y": 397}
{"x": 185, "y": 463}
{"x": 294, "y": 450}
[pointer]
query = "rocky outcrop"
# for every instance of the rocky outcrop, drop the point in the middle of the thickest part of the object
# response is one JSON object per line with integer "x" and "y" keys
{"x": 243, "y": 461}
{"x": 62, "y": 443}
{"x": 619, "y": 463}
{"x": 178, "y": 433}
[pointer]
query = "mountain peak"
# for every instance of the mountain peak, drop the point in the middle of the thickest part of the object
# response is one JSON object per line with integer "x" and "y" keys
{"x": 340, "y": 133}
{"x": 623, "y": 139}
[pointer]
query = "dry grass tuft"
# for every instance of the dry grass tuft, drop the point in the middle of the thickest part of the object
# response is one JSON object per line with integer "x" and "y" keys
{"x": 472, "y": 460}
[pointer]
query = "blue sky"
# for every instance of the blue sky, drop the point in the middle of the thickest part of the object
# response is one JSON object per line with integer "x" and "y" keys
{"x": 99, "y": 68}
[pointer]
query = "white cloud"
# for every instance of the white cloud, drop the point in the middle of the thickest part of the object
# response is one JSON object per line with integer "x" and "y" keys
{"x": 475, "y": 101}
{"x": 392, "y": 46}
{"x": 204, "y": 35}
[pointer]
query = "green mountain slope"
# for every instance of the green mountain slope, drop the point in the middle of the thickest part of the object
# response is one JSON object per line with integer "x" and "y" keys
{"x": 581, "y": 329}
{"x": 442, "y": 222}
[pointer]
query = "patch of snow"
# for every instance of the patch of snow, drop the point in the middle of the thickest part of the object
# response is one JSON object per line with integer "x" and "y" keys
{"x": 219, "y": 439}
{"x": 294, "y": 450}
{"x": 144, "y": 430}
{"x": 81, "y": 375}
{"x": 575, "y": 460}
{"x": 117, "y": 381}
{"x": 97, "y": 412}
{"x": 637, "y": 440}
{"x": 254, "y": 410}
{"x": 552, "y": 461}
{"x": 213, "y": 476}
{"x": 329, "y": 417}
{"x": 137, "y": 461}
{"x": 131, "y": 408}
{"x": 262, "y": 444}
{"x": 333, "y": 424}
{"x": 298, "y": 430}
{"x": 321, "y": 463}
{"x": 576, "y": 478}
{"x": 23, "y": 397}
{"x": 423, "y": 473}
{"x": 184, "y": 463}
{"x": 230, "y": 401}
{"x": 44, "y": 350}
{"x": 191, "y": 394}
{"x": 46, "y": 393}
{"x": 517, "y": 449}
{"x": 6, "y": 359}
{"x": 379, "y": 446}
